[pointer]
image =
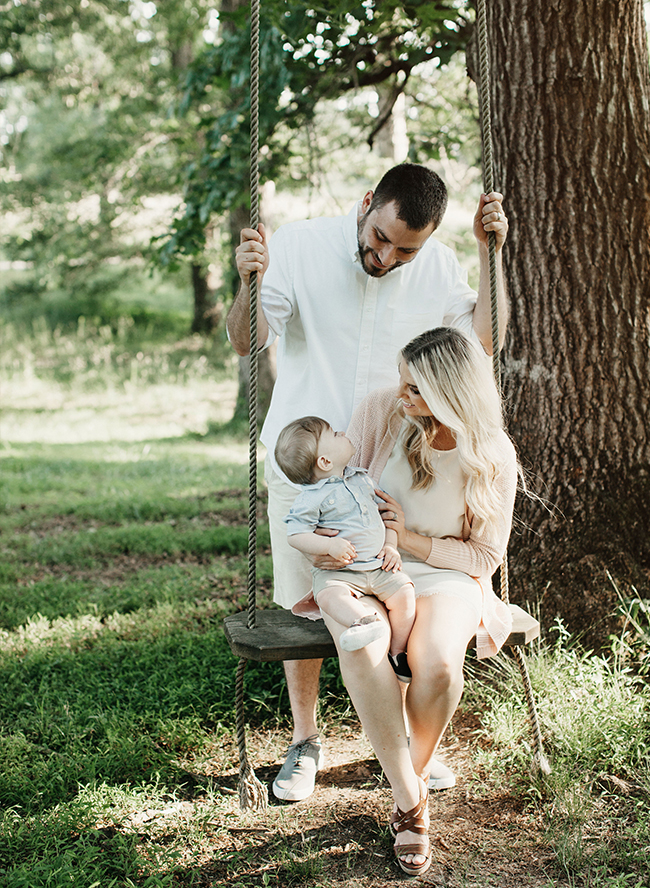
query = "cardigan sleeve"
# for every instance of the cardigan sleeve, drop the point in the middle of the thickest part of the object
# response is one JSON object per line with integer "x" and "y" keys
{"x": 482, "y": 552}
{"x": 370, "y": 432}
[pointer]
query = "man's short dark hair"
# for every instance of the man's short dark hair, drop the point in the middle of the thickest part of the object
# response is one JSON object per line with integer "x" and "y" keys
{"x": 420, "y": 195}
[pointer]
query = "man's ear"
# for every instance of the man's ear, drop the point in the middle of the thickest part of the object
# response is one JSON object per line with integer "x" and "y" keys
{"x": 365, "y": 203}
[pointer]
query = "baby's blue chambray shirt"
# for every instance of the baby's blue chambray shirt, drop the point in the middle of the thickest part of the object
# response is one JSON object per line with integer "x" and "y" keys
{"x": 345, "y": 504}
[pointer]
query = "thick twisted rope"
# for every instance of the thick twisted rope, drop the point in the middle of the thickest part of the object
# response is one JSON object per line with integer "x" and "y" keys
{"x": 488, "y": 177}
{"x": 252, "y": 793}
{"x": 252, "y": 391}
{"x": 488, "y": 180}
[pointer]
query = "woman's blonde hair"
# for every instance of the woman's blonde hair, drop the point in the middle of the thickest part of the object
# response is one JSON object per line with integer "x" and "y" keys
{"x": 455, "y": 380}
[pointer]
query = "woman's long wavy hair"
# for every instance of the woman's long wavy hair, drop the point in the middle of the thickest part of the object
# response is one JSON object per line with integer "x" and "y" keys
{"x": 456, "y": 382}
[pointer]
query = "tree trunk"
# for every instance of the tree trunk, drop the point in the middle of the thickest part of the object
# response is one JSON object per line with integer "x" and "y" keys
{"x": 570, "y": 94}
{"x": 391, "y": 140}
{"x": 205, "y": 318}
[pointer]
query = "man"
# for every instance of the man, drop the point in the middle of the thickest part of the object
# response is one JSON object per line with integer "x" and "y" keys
{"x": 343, "y": 296}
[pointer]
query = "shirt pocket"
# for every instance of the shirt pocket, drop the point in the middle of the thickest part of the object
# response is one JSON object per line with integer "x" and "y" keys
{"x": 407, "y": 327}
{"x": 339, "y": 505}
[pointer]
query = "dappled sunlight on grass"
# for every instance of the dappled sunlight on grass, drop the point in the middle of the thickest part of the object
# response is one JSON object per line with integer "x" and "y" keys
{"x": 159, "y": 411}
{"x": 40, "y": 633}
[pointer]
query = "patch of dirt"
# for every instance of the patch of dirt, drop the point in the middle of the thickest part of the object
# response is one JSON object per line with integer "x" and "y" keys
{"x": 480, "y": 837}
{"x": 119, "y": 567}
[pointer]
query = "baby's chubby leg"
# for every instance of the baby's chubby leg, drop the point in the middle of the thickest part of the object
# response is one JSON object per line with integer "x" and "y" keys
{"x": 359, "y": 615}
{"x": 401, "y": 614}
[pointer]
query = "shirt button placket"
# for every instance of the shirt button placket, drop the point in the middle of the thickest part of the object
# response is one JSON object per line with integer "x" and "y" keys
{"x": 368, "y": 313}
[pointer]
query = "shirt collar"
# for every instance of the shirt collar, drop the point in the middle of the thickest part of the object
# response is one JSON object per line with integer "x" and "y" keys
{"x": 351, "y": 232}
{"x": 348, "y": 472}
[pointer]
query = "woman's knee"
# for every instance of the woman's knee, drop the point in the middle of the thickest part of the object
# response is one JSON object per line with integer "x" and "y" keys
{"x": 440, "y": 671}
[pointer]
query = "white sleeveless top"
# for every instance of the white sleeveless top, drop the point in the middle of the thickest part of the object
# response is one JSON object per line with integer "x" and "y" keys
{"x": 438, "y": 511}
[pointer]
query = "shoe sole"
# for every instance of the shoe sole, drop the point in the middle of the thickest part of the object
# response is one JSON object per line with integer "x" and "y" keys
{"x": 285, "y": 795}
{"x": 414, "y": 870}
{"x": 357, "y": 640}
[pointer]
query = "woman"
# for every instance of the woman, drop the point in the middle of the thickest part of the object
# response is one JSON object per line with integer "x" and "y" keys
{"x": 437, "y": 447}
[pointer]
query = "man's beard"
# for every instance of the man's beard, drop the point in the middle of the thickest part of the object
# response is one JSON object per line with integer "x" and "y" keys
{"x": 372, "y": 270}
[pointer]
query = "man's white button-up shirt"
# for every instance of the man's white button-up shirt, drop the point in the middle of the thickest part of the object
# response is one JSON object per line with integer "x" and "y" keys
{"x": 340, "y": 330}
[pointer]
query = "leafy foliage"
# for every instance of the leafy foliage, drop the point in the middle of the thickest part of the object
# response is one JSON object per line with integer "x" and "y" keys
{"x": 85, "y": 138}
{"x": 307, "y": 54}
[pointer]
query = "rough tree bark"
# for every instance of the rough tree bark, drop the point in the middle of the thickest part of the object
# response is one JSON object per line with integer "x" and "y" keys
{"x": 570, "y": 100}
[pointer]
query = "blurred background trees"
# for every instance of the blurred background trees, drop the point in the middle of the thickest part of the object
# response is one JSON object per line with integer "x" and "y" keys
{"x": 91, "y": 151}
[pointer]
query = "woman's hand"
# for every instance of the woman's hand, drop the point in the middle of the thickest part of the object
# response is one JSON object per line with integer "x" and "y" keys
{"x": 407, "y": 540}
{"x": 392, "y": 515}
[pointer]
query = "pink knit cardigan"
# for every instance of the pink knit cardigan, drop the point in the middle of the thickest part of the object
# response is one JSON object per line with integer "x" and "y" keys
{"x": 373, "y": 430}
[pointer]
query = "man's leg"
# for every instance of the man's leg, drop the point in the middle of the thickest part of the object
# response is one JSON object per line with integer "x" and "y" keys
{"x": 302, "y": 683}
{"x": 291, "y": 582}
{"x": 297, "y": 776}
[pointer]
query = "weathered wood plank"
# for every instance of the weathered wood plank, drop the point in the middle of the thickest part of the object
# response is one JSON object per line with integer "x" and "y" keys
{"x": 279, "y": 635}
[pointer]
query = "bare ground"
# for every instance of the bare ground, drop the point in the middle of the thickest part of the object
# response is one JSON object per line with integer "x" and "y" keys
{"x": 480, "y": 838}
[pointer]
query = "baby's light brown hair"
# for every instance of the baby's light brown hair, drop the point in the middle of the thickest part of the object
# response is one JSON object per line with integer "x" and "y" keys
{"x": 296, "y": 450}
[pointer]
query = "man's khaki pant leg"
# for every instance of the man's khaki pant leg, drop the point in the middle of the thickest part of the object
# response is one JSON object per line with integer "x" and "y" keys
{"x": 291, "y": 569}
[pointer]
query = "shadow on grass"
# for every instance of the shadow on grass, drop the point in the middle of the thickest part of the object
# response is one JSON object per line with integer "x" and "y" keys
{"x": 324, "y": 854}
{"x": 122, "y": 710}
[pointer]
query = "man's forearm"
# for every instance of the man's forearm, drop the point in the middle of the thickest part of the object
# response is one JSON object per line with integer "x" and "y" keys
{"x": 483, "y": 312}
{"x": 238, "y": 322}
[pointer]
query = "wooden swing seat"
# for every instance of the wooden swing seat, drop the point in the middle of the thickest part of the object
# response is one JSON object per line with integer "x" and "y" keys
{"x": 280, "y": 635}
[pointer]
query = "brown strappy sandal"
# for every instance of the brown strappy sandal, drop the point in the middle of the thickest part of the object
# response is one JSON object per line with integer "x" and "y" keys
{"x": 412, "y": 821}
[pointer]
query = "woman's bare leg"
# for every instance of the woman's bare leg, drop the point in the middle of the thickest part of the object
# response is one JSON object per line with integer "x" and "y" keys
{"x": 375, "y": 693}
{"x": 437, "y": 646}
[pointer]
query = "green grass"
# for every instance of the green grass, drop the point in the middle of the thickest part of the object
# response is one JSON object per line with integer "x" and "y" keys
{"x": 89, "y": 549}
{"x": 78, "y": 843}
{"x": 119, "y": 557}
{"x": 111, "y": 705}
{"x": 595, "y": 716}
{"x": 119, "y": 563}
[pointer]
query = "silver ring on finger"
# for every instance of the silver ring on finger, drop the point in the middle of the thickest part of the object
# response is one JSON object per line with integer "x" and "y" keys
{"x": 499, "y": 217}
